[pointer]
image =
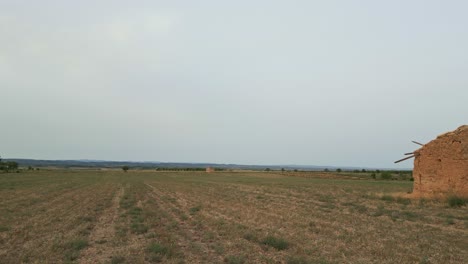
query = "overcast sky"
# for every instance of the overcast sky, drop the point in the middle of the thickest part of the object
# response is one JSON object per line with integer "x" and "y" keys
{"x": 346, "y": 83}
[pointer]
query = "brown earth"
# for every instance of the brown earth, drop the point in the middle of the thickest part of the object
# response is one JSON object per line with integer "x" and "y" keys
{"x": 70, "y": 216}
{"x": 441, "y": 166}
{"x": 100, "y": 250}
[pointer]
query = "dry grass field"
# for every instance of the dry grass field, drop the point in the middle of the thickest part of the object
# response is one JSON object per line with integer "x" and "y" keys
{"x": 61, "y": 216}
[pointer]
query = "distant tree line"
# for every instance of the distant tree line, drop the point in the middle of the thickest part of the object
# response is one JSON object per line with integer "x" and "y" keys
{"x": 185, "y": 169}
{"x": 126, "y": 168}
{"x": 8, "y": 166}
{"x": 383, "y": 174}
{"x": 374, "y": 171}
{"x": 402, "y": 175}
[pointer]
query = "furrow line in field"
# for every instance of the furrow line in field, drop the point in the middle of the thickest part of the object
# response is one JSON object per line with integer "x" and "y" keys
{"x": 100, "y": 248}
{"x": 189, "y": 232}
{"x": 61, "y": 204}
{"x": 228, "y": 233}
{"x": 55, "y": 228}
{"x": 258, "y": 208}
{"x": 25, "y": 199}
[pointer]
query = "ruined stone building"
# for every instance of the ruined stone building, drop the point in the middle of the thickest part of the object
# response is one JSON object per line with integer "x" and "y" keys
{"x": 441, "y": 166}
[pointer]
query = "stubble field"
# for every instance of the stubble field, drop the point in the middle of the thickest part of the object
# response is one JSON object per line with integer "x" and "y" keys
{"x": 82, "y": 216}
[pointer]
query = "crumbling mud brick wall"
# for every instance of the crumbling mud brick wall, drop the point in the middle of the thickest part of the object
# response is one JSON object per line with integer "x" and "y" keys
{"x": 441, "y": 166}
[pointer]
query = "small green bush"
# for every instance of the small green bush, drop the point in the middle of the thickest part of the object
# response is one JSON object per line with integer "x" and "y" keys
{"x": 449, "y": 221}
{"x": 402, "y": 200}
{"x": 77, "y": 244}
{"x": 158, "y": 251}
{"x": 386, "y": 175}
{"x": 73, "y": 247}
{"x": 388, "y": 198}
{"x": 455, "y": 201}
{"x": 195, "y": 209}
{"x": 117, "y": 260}
{"x": 275, "y": 242}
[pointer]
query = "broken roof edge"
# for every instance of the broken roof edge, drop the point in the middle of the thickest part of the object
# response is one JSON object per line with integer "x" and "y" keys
{"x": 457, "y": 131}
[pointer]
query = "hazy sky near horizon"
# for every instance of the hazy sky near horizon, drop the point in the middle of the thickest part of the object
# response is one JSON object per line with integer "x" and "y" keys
{"x": 346, "y": 83}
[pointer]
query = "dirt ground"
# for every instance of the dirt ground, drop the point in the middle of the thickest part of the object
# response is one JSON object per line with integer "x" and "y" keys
{"x": 69, "y": 216}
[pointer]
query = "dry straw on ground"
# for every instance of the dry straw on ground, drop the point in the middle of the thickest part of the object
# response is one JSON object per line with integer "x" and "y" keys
{"x": 222, "y": 217}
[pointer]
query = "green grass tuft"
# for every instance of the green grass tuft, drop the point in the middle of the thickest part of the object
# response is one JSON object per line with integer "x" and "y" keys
{"x": 77, "y": 244}
{"x": 275, "y": 242}
{"x": 73, "y": 247}
{"x": 195, "y": 209}
{"x": 117, "y": 260}
{"x": 160, "y": 250}
{"x": 297, "y": 260}
{"x": 234, "y": 259}
{"x": 388, "y": 198}
{"x": 139, "y": 228}
{"x": 402, "y": 200}
{"x": 455, "y": 201}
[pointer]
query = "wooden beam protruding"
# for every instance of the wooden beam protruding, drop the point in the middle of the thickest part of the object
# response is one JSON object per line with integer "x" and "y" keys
{"x": 404, "y": 159}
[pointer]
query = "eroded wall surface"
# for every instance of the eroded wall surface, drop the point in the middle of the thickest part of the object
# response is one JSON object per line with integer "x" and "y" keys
{"x": 441, "y": 166}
